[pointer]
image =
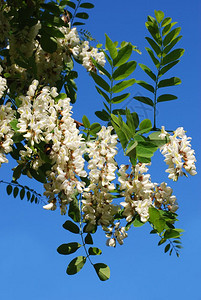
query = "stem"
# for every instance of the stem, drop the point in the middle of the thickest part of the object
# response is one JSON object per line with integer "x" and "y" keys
{"x": 81, "y": 234}
{"x": 111, "y": 86}
{"x": 157, "y": 78}
{"x": 73, "y": 17}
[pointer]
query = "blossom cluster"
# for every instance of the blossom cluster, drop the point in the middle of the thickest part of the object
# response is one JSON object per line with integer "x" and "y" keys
{"x": 97, "y": 202}
{"x": 178, "y": 154}
{"x": 140, "y": 193}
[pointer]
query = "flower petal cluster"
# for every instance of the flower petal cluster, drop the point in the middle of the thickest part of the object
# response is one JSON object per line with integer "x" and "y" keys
{"x": 115, "y": 233}
{"x": 3, "y": 83}
{"x": 97, "y": 202}
{"x": 6, "y": 132}
{"x": 178, "y": 154}
{"x": 137, "y": 190}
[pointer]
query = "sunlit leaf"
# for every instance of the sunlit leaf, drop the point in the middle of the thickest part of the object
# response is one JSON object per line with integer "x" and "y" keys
{"x": 168, "y": 67}
{"x": 169, "y": 82}
{"x": 69, "y": 248}
{"x": 145, "y": 85}
{"x": 159, "y": 15}
{"x": 124, "y": 70}
{"x": 120, "y": 98}
{"x": 154, "y": 59}
{"x": 123, "y": 55}
{"x": 94, "y": 251}
{"x": 172, "y": 56}
{"x": 76, "y": 265}
{"x": 122, "y": 85}
{"x": 111, "y": 47}
{"x": 100, "y": 81}
{"x": 103, "y": 271}
{"x": 148, "y": 71}
{"x": 145, "y": 100}
{"x": 171, "y": 35}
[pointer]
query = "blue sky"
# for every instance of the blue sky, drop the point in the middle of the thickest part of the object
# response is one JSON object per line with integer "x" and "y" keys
{"x": 30, "y": 266}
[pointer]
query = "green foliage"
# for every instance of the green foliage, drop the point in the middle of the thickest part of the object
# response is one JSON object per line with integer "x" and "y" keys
{"x": 69, "y": 248}
{"x": 102, "y": 270}
{"x": 76, "y": 265}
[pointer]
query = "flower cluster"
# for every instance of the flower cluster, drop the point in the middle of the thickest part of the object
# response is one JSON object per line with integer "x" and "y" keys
{"x": 140, "y": 193}
{"x": 115, "y": 233}
{"x": 3, "y": 84}
{"x": 178, "y": 154}
{"x": 6, "y": 132}
{"x": 97, "y": 202}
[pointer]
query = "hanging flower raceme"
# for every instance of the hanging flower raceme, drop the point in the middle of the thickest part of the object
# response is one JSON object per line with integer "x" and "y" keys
{"x": 178, "y": 154}
{"x": 97, "y": 202}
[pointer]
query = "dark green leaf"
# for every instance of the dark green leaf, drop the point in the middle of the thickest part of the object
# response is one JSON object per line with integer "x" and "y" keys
{"x": 177, "y": 241}
{"x": 39, "y": 174}
{"x": 17, "y": 172}
{"x": 28, "y": 195}
{"x": 32, "y": 198}
{"x": 111, "y": 47}
{"x": 168, "y": 67}
{"x": 100, "y": 68}
{"x": 87, "y": 5}
{"x": 179, "y": 246}
{"x": 103, "y": 94}
{"x": 167, "y": 28}
{"x": 124, "y": 70}
{"x": 145, "y": 85}
{"x": 131, "y": 148}
{"x": 159, "y": 15}
{"x": 69, "y": 248}
{"x": 120, "y": 98}
{"x": 171, "y": 35}
{"x": 95, "y": 127}
{"x": 154, "y": 31}
{"x": 103, "y": 271}
{"x": 172, "y": 233}
{"x": 162, "y": 241}
{"x": 171, "y": 45}
{"x": 70, "y": 226}
{"x": 130, "y": 120}
{"x": 172, "y": 56}
{"x": 137, "y": 222}
{"x": 22, "y": 193}
{"x": 154, "y": 46}
{"x": 15, "y": 191}
{"x": 82, "y": 15}
{"x": 85, "y": 121}
{"x": 154, "y": 59}
{"x": 167, "y": 248}
{"x": 94, "y": 251}
{"x": 88, "y": 239}
{"x": 123, "y": 55}
{"x": 166, "y": 97}
{"x": 48, "y": 43}
{"x": 145, "y": 100}
{"x": 76, "y": 265}
{"x": 148, "y": 71}
{"x": 166, "y": 21}
{"x": 101, "y": 82}
{"x": 122, "y": 137}
{"x": 122, "y": 85}
{"x": 68, "y": 3}
{"x": 78, "y": 23}
{"x": 169, "y": 82}
{"x": 103, "y": 115}
{"x": 74, "y": 211}
{"x": 9, "y": 189}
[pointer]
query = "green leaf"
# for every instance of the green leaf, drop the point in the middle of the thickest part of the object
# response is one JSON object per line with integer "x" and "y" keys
{"x": 28, "y": 195}
{"x": 74, "y": 211}
{"x": 103, "y": 271}
{"x": 76, "y": 265}
{"x": 124, "y": 70}
{"x": 17, "y": 172}
{"x": 145, "y": 85}
{"x": 85, "y": 121}
{"x": 169, "y": 82}
{"x": 130, "y": 120}
{"x": 122, "y": 85}
{"x": 68, "y": 3}
{"x": 103, "y": 115}
{"x": 153, "y": 44}
{"x": 120, "y": 98}
{"x": 154, "y": 59}
{"x": 172, "y": 56}
{"x": 103, "y": 70}
{"x": 13, "y": 124}
{"x": 95, "y": 127}
{"x": 159, "y": 15}
{"x": 172, "y": 233}
{"x": 87, "y": 5}
{"x": 78, "y": 23}
{"x": 122, "y": 137}
{"x": 111, "y": 47}
{"x": 171, "y": 35}
{"x": 168, "y": 67}
{"x": 94, "y": 251}
{"x": 156, "y": 140}
{"x": 166, "y": 97}
{"x": 39, "y": 174}
{"x": 82, "y": 15}
{"x": 100, "y": 81}
{"x": 137, "y": 222}
{"x": 69, "y": 248}
{"x": 70, "y": 226}
{"x": 145, "y": 124}
{"x": 167, "y": 28}
{"x": 88, "y": 239}
{"x": 9, "y": 189}
{"x": 123, "y": 55}
{"x": 32, "y": 198}
{"x": 166, "y": 21}
{"x": 103, "y": 94}
{"x": 145, "y": 100}
{"x": 131, "y": 148}
{"x": 154, "y": 31}
{"x": 15, "y": 191}
{"x": 171, "y": 45}
{"x": 148, "y": 71}
{"x": 48, "y": 43}
{"x": 22, "y": 193}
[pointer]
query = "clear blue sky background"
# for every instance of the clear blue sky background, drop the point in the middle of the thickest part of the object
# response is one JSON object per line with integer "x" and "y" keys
{"x": 31, "y": 268}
